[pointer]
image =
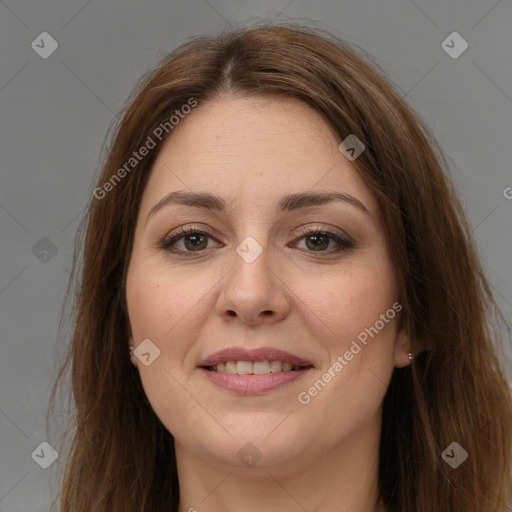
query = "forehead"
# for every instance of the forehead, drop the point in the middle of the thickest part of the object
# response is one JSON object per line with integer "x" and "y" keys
{"x": 253, "y": 150}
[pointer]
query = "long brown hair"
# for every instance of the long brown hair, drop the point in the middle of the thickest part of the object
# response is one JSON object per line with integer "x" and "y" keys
{"x": 122, "y": 458}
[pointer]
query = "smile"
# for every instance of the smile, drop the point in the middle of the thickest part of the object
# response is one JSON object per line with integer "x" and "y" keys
{"x": 254, "y": 368}
{"x": 253, "y": 371}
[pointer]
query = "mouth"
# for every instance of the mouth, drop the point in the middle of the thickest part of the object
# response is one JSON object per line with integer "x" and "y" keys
{"x": 259, "y": 361}
{"x": 253, "y": 371}
{"x": 255, "y": 368}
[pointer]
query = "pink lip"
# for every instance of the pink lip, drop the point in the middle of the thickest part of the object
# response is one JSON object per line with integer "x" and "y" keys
{"x": 252, "y": 384}
{"x": 257, "y": 354}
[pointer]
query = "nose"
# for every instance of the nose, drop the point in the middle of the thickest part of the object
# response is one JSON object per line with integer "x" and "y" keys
{"x": 254, "y": 292}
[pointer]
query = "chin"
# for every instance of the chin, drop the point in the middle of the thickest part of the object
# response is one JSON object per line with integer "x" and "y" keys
{"x": 253, "y": 445}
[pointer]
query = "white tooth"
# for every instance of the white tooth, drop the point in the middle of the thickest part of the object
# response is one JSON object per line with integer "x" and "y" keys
{"x": 221, "y": 367}
{"x": 244, "y": 367}
{"x": 231, "y": 367}
{"x": 287, "y": 367}
{"x": 275, "y": 366}
{"x": 261, "y": 367}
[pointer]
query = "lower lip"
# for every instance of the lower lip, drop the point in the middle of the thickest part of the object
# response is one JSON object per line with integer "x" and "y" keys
{"x": 252, "y": 384}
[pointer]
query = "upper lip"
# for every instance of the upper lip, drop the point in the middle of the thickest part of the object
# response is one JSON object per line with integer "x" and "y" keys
{"x": 256, "y": 354}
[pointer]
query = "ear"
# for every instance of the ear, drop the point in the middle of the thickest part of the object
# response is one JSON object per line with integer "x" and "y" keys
{"x": 131, "y": 344}
{"x": 403, "y": 347}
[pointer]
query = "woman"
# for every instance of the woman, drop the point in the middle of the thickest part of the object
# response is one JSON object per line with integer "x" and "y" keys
{"x": 281, "y": 306}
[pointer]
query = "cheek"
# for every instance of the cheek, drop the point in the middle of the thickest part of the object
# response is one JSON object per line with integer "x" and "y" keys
{"x": 344, "y": 304}
{"x": 155, "y": 308}
{"x": 156, "y": 299}
{"x": 167, "y": 306}
{"x": 352, "y": 312}
{"x": 147, "y": 305}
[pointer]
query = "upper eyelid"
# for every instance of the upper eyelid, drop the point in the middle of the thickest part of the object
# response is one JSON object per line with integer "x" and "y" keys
{"x": 304, "y": 231}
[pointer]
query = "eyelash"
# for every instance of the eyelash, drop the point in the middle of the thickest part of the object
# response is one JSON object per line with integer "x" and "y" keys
{"x": 167, "y": 242}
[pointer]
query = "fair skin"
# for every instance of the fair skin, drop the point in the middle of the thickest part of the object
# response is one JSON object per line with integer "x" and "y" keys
{"x": 298, "y": 295}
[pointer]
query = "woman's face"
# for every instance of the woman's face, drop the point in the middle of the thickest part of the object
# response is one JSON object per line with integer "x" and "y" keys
{"x": 257, "y": 291}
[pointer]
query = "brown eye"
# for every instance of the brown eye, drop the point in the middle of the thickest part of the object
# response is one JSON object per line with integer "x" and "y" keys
{"x": 318, "y": 241}
{"x": 194, "y": 241}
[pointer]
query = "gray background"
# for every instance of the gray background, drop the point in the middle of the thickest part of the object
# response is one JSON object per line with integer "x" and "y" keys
{"x": 55, "y": 113}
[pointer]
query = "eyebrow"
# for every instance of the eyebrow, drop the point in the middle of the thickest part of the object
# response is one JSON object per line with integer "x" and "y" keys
{"x": 287, "y": 203}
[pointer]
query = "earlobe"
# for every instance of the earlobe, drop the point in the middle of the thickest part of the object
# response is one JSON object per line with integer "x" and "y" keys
{"x": 131, "y": 348}
{"x": 403, "y": 359}
{"x": 132, "y": 356}
{"x": 403, "y": 350}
